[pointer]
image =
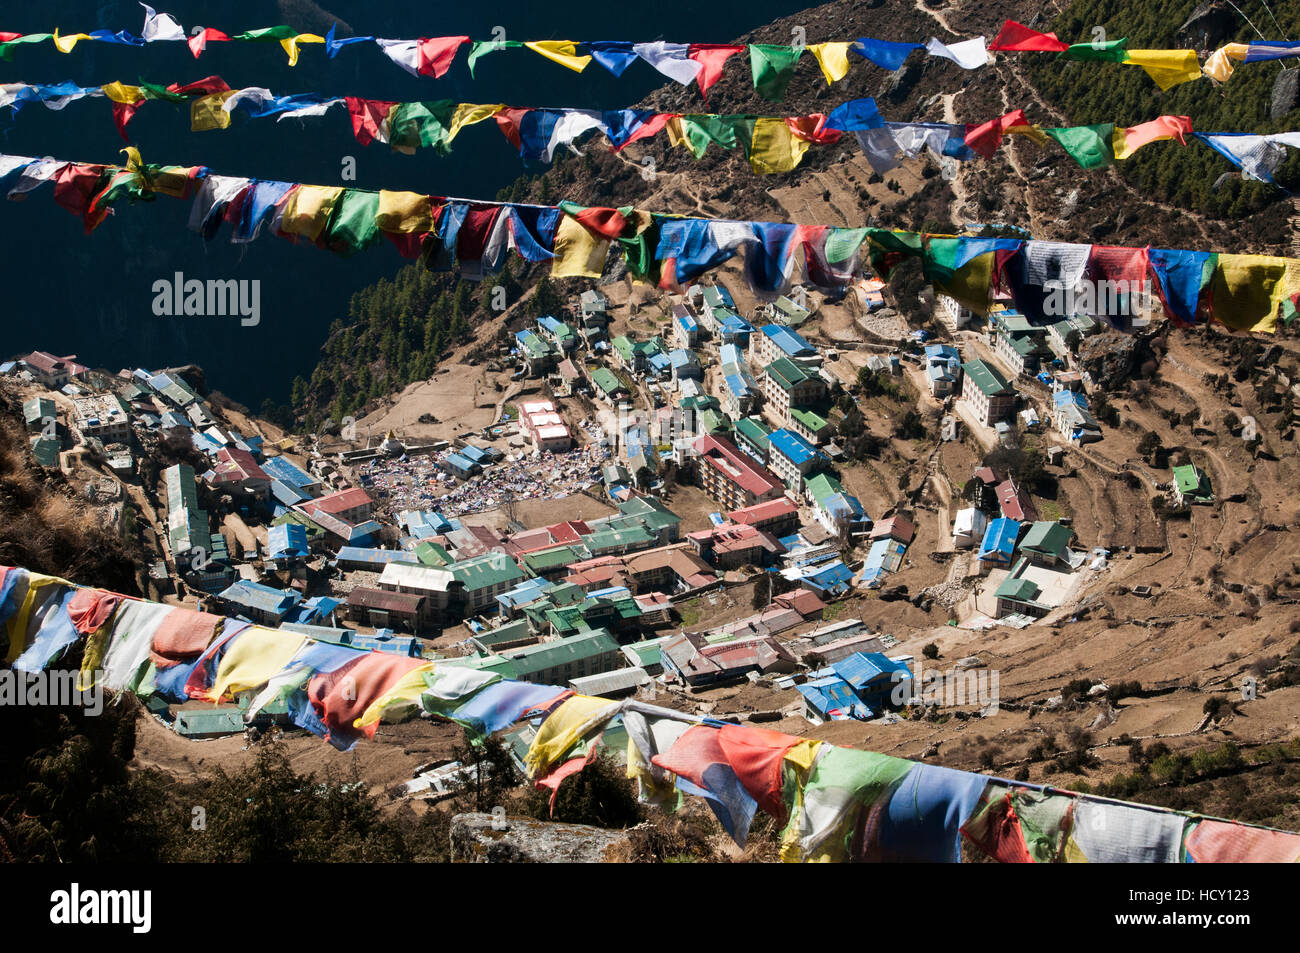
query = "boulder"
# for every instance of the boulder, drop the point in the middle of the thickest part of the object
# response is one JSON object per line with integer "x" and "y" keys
{"x": 489, "y": 839}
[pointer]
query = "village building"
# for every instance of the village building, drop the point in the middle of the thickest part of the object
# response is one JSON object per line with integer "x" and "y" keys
{"x": 1191, "y": 485}
{"x": 51, "y": 371}
{"x": 106, "y": 418}
{"x": 774, "y": 341}
{"x": 793, "y": 458}
{"x": 942, "y": 369}
{"x": 787, "y": 384}
{"x": 733, "y": 545}
{"x": 731, "y": 477}
{"x": 986, "y": 392}
{"x": 780, "y": 517}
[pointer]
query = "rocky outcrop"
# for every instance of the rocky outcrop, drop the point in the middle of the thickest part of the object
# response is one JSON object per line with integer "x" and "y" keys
{"x": 487, "y": 839}
{"x": 1112, "y": 358}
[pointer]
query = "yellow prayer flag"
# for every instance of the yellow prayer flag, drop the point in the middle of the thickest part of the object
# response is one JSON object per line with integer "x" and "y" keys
{"x": 308, "y": 210}
{"x": 1246, "y": 290}
{"x": 1167, "y": 67}
{"x": 467, "y": 114}
{"x": 290, "y": 44}
{"x": 409, "y": 213}
{"x": 775, "y": 148}
{"x": 1219, "y": 65}
{"x": 253, "y": 658}
{"x": 405, "y": 694}
{"x": 577, "y": 717}
{"x": 1034, "y": 133}
{"x": 796, "y": 767}
{"x": 579, "y": 253}
{"x": 209, "y": 112}
{"x": 833, "y": 58}
{"x": 37, "y": 592}
{"x": 64, "y": 44}
{"x": 119, "y": 92}
{"x": 563, "y": 52}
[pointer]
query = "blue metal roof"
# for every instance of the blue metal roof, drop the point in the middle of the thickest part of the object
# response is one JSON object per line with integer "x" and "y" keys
{"x": 471, "y": 452}
{"x": 264, "y": 598}
{"x": 1063, "y": 398}
{"x": 1000, "y": 540}
{"x": 862, "y": 668}
{"x": 681, "y": 358}
{"x": 286, "y": 540}
{"x": 378, "y": 557}
{"x": 941, "y": 352}
{"x": 286, "y": 494}
{"x": 285, "y": 470}
{"x": 456, "y": 461}
{"x": 792, "y": 446}
{"x": 730, "y": 354}
{"x": 788, "y": 341}
{"x": 688, "y": 323}
{"x": 845, "y": 506}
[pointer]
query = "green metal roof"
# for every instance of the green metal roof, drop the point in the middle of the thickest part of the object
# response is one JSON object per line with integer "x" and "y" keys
{"x": 1021, "y": 590}
{"x": 490, "y": 569}
{"x": 605, "y": 379}
{"x": 431, "y": 554}
{"x": 1191, "y": 481}
{"x": 37, "y": 409}
{"x": 546, "y": 655}
{"x": 814, "y": 422}
{"x": 649, "y": 511}
{"x": 986, "y": 378}
{"x": 547, "y": 559}
{"x": 630, "y": 536}
{"x": 46, "y": 450}
{"x": 754, "y": 430}
{"x": 822, "y": 486}
{"x": 510, "y": 632}
{"x": 1048, "y": 537}
{"x": 787, "y": 374}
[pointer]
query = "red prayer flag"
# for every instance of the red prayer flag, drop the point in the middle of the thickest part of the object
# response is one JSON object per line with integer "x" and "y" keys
{"x": 607, "y": 222}
{"x": 199, "y": 41}
{"x": 987, "y": 136}
{"x": 1017, "y": 38}
{"x": 651, "y": 127}
{"x": 123, "y": 113}
{"x": 437, "y": 54}
{"x": 367, "y": 115}
{"x": 812, "y": 128}
{"x": 203, "y": 87}
{"x": 508, "y": 120}
{"x": 711, "y": 57}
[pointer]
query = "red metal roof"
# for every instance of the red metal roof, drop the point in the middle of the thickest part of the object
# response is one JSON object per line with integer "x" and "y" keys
{"x": 737, "y": 467}
{"x": 342, "y": 501}
{"x": 763, "y": 512}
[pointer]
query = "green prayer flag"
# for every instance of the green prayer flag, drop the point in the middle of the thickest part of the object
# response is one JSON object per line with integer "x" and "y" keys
{"x": 888, "y": 248}
{"x": 483, "y": 47}
{"x": 701, "y": 130}
{"x": 1111, "y": 51}
{"x": 1090, "y": 146}
{"x": 352, "y": 225}
{"x": 773, "y": 68}
{"x": 843, "y": 243}
{"x": 412, "y": 125}
{"x": 281, "y": 32}
{"x": 7, "y": 48}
